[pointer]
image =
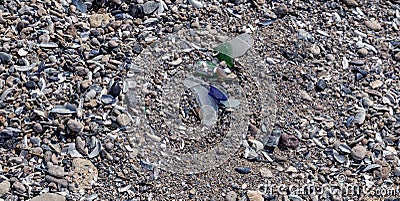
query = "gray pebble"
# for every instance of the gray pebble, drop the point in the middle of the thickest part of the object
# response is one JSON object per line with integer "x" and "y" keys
{"x": 149, "y": 7}
{"x": 358, "y": 152}
{"x": 123, "y": 119}
{"x": 4, "y": 188}
{"x": 4, "y": 57}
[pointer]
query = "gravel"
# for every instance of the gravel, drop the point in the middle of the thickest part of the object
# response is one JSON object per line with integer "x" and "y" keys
{"x": 93, "y": 104}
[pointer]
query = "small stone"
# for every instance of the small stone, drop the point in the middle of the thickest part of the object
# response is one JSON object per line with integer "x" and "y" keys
{"x": 397, "y": 56}
{"x": 396, "y": 172}
{"x": 86, "y": 84}
{"x": 112, "y": 44}
{"x": 320, "y": 85}
{"x": 36, "y": 151}
{"x": 115, "y": 89}
{"x": 243, "y": 170}
{"x": 75, "y": 126}
{"x": 4, "y": 57}
{"x": 4, "y": 188}
{"x": 49, "y": 197}
{"x": 304, "y": 95}
{"x": 18, "y": 186}
{"x": 85, "y": 173}
{"x": 350, "y": 2}
{"x": 80, "y": 145}
{"x": 265, "y": 172}
{"x": 330, "y": 57}
{"x": 55, "y": 170}
{"x": 358, "y": 152}
{"x": 315, "y": 50}
{"x": 376, "y": 84}
{"x": 47, "y": 156}
{"x": 149, "y": 7}
{"x": 30, "y": 85}
{"x": 289, "y": 141}
{"x": 231, "y": 196}
{"x": 62, "y": 182}
{"x": 97, "y": 20}
{"x": 123, "y": 119}
{"x": 37, "y": 127}
{"x": 291, "y": 169}
{"x": 360, "y": 117}
{"x": 136, "y": 11}
{"x": 107, "y": 99}
{"x": 254, "y": 196}
{"x": 109, "y": 146}
{"x": 374, "y": 25}
{"x": 281, "y": 11}
{"x": 362, "y": 52}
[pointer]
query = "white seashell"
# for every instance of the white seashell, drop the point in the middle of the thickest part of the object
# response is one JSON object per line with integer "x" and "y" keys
{"x": 196, "y": 4}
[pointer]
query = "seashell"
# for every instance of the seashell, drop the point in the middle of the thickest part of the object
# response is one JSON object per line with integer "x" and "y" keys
{"x": 195, "y": 3}
{"x": 48, "y": 45}
{"x": 67, "y": 109}
{"x": 360, "y": 117}
{"x": 371, "y": 167}
{"x": 344, "y": 148}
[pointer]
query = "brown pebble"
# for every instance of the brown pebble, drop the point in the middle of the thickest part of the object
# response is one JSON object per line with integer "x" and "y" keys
{"x": 289, "y": 141}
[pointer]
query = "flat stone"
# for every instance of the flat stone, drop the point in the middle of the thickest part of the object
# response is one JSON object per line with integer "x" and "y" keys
{"x": 55, "y": 170}
{"x": 4, "y": 188}
{"x": 49, "y": 197}
{"x": 85, "y": 173}
{"x": 374, "y": 25}
{"x": 75, "y": 126}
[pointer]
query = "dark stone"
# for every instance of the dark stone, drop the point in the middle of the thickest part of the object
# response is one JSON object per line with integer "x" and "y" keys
{"x": 30, "y": 85}
{"x": 4, "y": 57}
{"x": 37, "y": 128}
{"x": 281, "y": 11}
{"x": 243, "y": 170}
{"x": 320, "y": 85}
{"x": 137, "y": 48}
{"x": 136, "y": 11}
{"x": 115, "y": 89}
{"x": 289, "y": 141}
